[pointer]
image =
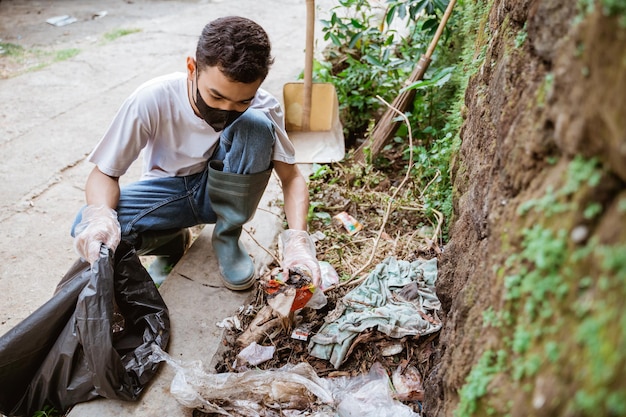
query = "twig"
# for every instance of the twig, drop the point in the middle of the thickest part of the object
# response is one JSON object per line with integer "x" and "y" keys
{"x": 279, "y": 215}
{"x": 352, "y": 281}
{"x": 438, "y": 215}
{"x": 429, "y": 184}
{"x": 262, "y": 247}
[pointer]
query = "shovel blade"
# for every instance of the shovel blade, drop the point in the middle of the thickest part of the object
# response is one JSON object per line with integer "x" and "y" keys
{"x": 323, "y": 142}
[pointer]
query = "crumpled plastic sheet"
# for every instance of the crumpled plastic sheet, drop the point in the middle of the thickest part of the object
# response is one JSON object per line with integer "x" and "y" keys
{"x": 397, "y": 298}
{"x": 292, "y": 390}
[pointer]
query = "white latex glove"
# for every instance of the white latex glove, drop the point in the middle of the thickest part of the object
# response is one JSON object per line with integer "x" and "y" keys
{"x": 299, "y": 251}
{"x": 98, "y": 226}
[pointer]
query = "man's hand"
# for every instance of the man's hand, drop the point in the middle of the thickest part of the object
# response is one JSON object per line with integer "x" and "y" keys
{"x": 299, "y": 251}
{"x": 98, "y": 226}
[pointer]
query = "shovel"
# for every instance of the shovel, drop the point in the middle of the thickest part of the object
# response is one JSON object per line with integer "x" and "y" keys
{"x": 312, "y": 110}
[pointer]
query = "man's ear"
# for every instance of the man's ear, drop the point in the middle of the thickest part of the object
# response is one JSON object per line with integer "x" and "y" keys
{"x": 191, "y": 68}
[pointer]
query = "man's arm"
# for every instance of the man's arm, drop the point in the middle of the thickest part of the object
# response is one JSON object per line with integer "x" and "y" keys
{"x": 295, "y": 195}
{"x": 102, "y": 189}
{"x": 298, "y": 247}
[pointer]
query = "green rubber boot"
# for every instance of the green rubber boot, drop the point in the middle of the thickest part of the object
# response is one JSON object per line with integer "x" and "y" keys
{"x": 168, "y": 246}
{"x": 234, "y": 198}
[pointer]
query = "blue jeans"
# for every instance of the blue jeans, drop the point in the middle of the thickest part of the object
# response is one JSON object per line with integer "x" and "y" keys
{"x": 177, "y": 202}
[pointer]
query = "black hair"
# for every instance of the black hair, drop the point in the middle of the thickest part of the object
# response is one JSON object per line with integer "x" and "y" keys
{"x": 239, "y": 47}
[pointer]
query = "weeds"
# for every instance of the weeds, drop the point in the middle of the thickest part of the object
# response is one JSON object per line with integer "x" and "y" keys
{"x": 488, "y": 366}
{"x": 369, "y": 56}
{"x": 118, "y": 33}
{"x": 520, "y": 39}
{"x": 18, "y": 60}
{"x": 21, "y": 60}
{"x": 47, "y": 411}
{"x": 372, "y": 53}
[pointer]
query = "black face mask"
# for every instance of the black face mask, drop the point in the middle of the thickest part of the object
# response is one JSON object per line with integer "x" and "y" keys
{"x": 218, "y": 119}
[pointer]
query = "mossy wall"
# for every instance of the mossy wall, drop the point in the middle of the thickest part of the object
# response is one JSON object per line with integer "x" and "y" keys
{"x": 533, "y": 280}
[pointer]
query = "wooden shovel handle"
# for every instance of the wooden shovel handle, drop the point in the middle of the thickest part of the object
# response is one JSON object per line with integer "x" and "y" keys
{"x": 308, "y": 64}
{"x": 442, "y": 25}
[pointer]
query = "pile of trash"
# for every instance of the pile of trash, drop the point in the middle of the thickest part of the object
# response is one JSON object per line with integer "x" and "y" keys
{"x": 104, "y": 332}
{"x": 397, "y": 300}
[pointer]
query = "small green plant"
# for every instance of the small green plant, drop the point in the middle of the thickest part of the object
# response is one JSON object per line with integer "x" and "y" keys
{"x": 314, "y": 214}
{"x": 118, "y": 33}
{"x": 11, "y": 49}
{"x": 609, "y": 8}
{"x": 491, "y": 318}
{"x": 521, "y": 37}
{"x": 615, "y": 8}
{"x": 319, "y": 171}
{"x": 476, "y": 383}
{"x": 580, "y": 172}
{"x": 47, "y": 411}
{"x": 64, "y": 54}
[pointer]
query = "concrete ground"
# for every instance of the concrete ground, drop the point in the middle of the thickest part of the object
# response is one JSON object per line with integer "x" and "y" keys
{"x": 50, "y": 119}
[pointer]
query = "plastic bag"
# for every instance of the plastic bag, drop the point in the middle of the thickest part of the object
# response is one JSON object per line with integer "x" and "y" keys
{"x": 293, "y": 389}
{"x": 67, "y": 352}
{"x": 370, "y": 396}
{"x": 247, "y": 393}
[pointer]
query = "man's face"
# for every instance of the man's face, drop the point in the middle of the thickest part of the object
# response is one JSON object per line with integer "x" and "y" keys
{"x": 219, "y": 92}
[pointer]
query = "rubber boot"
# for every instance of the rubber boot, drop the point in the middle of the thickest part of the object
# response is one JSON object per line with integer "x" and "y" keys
{"x": 168, "y": 246}
{"x": 234, "y": 198}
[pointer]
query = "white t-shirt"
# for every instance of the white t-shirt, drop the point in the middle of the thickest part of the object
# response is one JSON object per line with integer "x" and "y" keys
{"x": 158, "y": 119}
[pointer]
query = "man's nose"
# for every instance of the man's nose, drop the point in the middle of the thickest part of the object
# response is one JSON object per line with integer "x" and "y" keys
{"x": 228, "y": 106}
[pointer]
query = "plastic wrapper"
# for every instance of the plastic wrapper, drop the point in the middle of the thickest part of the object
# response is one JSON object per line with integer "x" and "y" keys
{"x": 253, "y": 354}
{"x": 329, "y": 275}
{"x": 292, "y": 389}
{"x": 369, "y": 396}
{"x": 291, "y": 292}
{"x": 92, "y": 339}
{"x": 351, "y": 224}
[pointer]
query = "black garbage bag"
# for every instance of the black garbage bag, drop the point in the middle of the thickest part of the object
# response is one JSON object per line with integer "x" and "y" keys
{"x": 92, "y": 339}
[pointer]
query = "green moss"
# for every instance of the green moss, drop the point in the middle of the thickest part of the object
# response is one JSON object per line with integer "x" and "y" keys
{"x": 491, "y": 318}
{"x": 478, "y": 380}
{"x": 563, "y": 310}
{"x": 33, "y": 59}
{"x": 581, "y": 173}
{"x": 521, "y": 36}
{"x": 545, "y": 89}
